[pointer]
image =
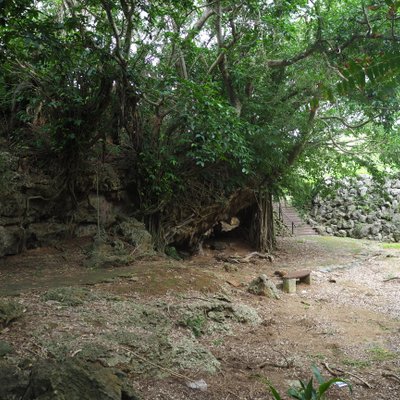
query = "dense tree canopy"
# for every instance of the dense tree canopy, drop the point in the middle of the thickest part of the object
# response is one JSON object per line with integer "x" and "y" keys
{"x": 211, "y": 100}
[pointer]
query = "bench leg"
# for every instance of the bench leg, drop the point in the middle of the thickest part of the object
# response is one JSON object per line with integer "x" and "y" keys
{"x": 289, "y": 285}
{"x": 307, "y": 280}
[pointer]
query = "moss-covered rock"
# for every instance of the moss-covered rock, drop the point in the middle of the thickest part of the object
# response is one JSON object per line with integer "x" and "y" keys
{"x": 11, "y": 240}
{"x": 151, "y": 348}
{"x": 69, "y": 296}
{"x": 8, "y": 174}
{"x": 105, "y": 254}
{"x": 13, "y": 381}
{"x": 146, "y": 340}
{"x": 5, "y": 348}
{"x": 46, "y": 234}
{"x": 245, "y": 314}
{"x": 9, "y": 311}
{"x": 134, "y": 232}
{"x": 188, "y": 354}
{"x": 217, "y": 316}
{"x": 75, "y": 380}
{"x": 262, "y": 286}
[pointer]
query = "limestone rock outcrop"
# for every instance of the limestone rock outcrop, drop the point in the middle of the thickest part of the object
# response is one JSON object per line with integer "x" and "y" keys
{"x": 36, "y": 212}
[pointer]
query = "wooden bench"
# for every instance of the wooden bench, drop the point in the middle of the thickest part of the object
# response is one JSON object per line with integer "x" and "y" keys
{"x": 290, "y": 280}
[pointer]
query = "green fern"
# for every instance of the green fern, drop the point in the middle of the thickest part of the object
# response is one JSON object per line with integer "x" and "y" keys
{"x": 307, "y": 391}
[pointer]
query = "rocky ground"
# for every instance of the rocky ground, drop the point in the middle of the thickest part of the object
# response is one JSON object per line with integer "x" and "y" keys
{"x": 152, "y": 329}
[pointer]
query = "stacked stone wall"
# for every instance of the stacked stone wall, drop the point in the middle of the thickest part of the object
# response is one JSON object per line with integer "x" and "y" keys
{"x": 360, "y": 208}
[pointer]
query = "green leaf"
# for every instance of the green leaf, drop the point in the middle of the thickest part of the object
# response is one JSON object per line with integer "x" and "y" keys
{"x": 275, "y": 393}
{"x": 350, "y": 84}
{"x": 308, "y": 394}
{"x": 360, "y": 78}
{"x": 317, "y": 374}
{"x": 314, "y": 103}
{"x": 353, "y": 67}
{"x": 295, "y": 394}
{"x": 326, "y": 385}
{"x": 329, "y": 95}
{"x": 370, "y": 74}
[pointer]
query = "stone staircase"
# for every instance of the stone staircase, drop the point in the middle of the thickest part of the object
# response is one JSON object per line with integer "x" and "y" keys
{"x": 291, "y": 218}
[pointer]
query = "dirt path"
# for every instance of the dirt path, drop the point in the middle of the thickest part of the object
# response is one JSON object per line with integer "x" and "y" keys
{"x": 158, "y": 318}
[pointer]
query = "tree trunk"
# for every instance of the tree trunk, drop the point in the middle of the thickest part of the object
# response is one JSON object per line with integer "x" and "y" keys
{"x": 186, "y": 222}
{"x": 262, "y": 234}
{"x": 186, "y": 228}
{"x": 153, "y": 225}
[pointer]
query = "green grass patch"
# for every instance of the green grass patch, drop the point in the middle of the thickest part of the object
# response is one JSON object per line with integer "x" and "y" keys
{"x": 381, "y": 354}
{"x": 391, "y": 246}
{"x": 196, "y": 323}
{"x": 69, "y": 296}
{"x": 343, "y": 245}
{"x": 356, "y": 363}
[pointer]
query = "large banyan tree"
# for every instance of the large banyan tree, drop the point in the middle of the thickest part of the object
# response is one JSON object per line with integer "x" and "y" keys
{"x": 214, "y": 102}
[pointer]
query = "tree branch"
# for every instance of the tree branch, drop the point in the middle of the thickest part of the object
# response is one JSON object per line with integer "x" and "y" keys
{"x": 222, "y": 53}
{"x": 182, "y": 61}
{"x": 299, "y": 146}
{"x": 304, "y": 54}
{"x": 128, "y": 12}
{"x": 230, "y": 89}
{"x": 366, "y": 19}
{"x": 346, "y": 124}
{"x": 107, "y": 9}
{"x": 290, "y": 61}
{"x": 198, "y": 25}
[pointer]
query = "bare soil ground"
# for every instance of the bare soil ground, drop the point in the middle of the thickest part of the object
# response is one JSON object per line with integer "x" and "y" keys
{"x": 138, "y": 317}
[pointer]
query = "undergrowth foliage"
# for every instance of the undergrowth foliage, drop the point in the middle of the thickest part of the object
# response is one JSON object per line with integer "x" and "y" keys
{"x": 227, "y": 96}
{"x": 307, "y": 390}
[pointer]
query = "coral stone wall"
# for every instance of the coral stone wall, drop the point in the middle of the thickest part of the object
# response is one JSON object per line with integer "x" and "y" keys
{"x": 360, "y": 208}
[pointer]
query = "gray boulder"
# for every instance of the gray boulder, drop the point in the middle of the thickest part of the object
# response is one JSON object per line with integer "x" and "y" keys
{"x": 9, "y": 311}
{"x": 135, "y": 233}
{"x": 5, "y": 348}
{"x": 321, "y": 229}
{"x": 75, "y": 380}
{"x": 45, "y": 234}
{"x": 362, "y": 218}
{"x": 13, "y": 381}
{"x": 361, "y": 230}
{"x": 11, "y": 240}
{"x": 396, "y": 236}
{"x": 263, "y": 286}
{"x": 376, "y": 228}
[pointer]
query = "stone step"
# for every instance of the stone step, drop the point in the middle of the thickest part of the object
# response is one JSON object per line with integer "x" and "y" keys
{"x": 290, "y": 216}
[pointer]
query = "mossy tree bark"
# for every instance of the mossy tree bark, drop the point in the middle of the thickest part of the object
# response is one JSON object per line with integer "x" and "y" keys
{"x": 262, "y": 234}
